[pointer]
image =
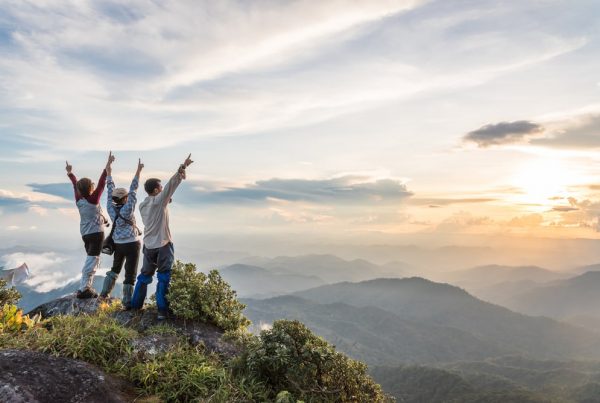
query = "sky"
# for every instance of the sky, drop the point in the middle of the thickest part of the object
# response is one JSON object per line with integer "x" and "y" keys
{"x": 406, "y": 121}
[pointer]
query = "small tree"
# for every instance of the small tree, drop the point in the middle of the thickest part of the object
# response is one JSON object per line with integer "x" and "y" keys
{"x": 8, "y": 295}
{"x": 289, "y": 357}
{"x": 195, "y": 295}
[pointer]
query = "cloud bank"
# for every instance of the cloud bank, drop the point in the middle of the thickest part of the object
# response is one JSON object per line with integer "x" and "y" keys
{"x": 345, "y": 190}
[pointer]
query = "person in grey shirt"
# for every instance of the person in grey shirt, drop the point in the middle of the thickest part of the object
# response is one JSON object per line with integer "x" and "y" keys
{"x": 91, "y": 224}
{"x": 159, "y": 253}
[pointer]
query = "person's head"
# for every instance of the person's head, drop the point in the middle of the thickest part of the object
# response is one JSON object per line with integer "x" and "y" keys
{"x": 153, "y": 186}
{"x": 119, "y": 196}
{"x": 85, "y": 187}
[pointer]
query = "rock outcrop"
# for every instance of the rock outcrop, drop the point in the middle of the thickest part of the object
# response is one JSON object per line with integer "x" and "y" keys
{"x": 32, "y": 377}
{"x": 195, "y": 332}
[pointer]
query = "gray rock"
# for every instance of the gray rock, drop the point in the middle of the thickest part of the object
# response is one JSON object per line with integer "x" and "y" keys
{"x": 68, "y": 305}
{"x": 153, "y": 344}
{"x": 32, "y": 377}
{"x": 195, "y": 332}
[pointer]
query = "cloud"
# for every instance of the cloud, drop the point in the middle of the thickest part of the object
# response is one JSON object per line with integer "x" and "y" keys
{"x": 440, "y": 202}
{"x": 176, "y": 71}
{"x": 64, "y": 190}
{"x": 148, "y": 75}
{"x": 13, "y": 203}
{"x": 346, "y": 189}
{"x": 463, "y": 221}
{"x": 580, "y": 213}
{"x": 564, "y": 209}
{"x": 528, "y": 220}
{"x": 19, "y": 202}
{"x": 503, "y": 133}
{"x": 576, "y": 132}
{"x": 48, "y": 269}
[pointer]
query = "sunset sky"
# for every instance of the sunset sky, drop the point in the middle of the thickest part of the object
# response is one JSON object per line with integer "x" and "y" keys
{"x": 343, "y": 118}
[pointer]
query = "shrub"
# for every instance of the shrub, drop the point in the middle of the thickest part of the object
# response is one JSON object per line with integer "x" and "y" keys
{"x": 98, "y": 340}
{"x": 13, "y": 320}
{"x": 8, "y": 295}
{"x": 291, "y": 358}
{"x": 185, "y": 374}
{"x": 195, "y": 295}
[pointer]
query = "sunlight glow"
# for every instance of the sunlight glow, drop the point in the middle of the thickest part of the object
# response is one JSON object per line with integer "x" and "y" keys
{"x": 541, "y": 182}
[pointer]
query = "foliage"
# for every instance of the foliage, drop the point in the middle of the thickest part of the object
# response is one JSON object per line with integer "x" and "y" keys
{"x": 96, "y": 339}
{"x": 13, "y": 320}
{"x": 195, "y": 295}
{"x": 185, "y": 374}
{"x": 8, "y": 295}
{"x": 105, "y": 308}
{"x": 291, "y": 358}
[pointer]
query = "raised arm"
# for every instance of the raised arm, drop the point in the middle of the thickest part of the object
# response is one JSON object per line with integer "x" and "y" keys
{"x": 73, "y": 179}
{"x": 171, "y": 186}
{"x": 110, "y": 186}
{"x": 95, "y": 196}
{"x": 128, "y": 209}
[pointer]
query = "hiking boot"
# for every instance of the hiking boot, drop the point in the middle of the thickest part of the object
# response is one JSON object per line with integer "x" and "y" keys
{"x": 127, "y": 294}
{"x": 162, "y": 315}
{"x": 109, "y": 284}
{"x": 87, "y": 293}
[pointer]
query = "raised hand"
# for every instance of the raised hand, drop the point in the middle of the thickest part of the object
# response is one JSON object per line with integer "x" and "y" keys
{"x": 139, "y": 167}
{"x": 69, "y": 168}
{"x": 111, "y": 159}
{"x": 188, "y": 161}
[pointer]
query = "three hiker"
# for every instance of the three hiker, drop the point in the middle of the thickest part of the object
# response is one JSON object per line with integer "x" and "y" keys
{"x": 158, "y": 245}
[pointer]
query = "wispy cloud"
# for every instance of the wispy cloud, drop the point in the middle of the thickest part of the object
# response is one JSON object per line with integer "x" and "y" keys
{"x": 64, "y": 190}
{"x": 345, "y": 189}
{"x": 145, "y": 75}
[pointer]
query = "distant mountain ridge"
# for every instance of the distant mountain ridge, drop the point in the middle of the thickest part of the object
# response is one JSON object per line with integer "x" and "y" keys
{"x": 439, "y": 304}
{"x": 488, "y": 275}
{"x": 254, "y": 281}
{"x": 374, "y": 335}
{"x": 575, "y": 297}
{"x": 329, "y": 268}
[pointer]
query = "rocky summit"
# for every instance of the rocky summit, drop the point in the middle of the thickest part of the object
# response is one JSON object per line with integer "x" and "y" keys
{"x": 195, "y": 332}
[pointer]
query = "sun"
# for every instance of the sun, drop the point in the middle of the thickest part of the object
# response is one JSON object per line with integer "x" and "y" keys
{"x": 542, "y": 183}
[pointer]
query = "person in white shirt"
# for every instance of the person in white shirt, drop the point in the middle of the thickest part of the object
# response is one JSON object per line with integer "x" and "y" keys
{"x": 159, "y": 253}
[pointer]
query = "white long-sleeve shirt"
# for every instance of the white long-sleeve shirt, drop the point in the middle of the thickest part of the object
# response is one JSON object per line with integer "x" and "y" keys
{"x": 155, "y": 215}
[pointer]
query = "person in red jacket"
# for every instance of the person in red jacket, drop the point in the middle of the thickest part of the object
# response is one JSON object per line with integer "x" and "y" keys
{"x": 91, "y": 225}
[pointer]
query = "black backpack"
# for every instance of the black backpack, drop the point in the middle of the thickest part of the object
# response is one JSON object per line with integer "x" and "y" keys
{"x": 108, "y": 246}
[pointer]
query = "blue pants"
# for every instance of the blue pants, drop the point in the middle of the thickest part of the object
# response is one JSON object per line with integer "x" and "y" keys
{"x": 155, "y": 260}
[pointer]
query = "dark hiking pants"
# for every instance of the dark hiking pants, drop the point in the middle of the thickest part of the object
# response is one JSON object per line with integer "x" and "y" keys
{"x": 130, "y": 254}
{"x": 155, "y": 260}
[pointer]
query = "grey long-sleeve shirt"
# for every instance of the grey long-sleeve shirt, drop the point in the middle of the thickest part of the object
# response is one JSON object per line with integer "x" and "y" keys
{"x": 155, "y": 215}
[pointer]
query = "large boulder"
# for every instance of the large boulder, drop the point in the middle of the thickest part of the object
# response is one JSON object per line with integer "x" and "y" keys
{"x": 28, "y": 376}
{"x": 195, "y": 332}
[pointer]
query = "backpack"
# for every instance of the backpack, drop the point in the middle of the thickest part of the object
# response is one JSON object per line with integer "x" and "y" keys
{"x": 108, "y": 246}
